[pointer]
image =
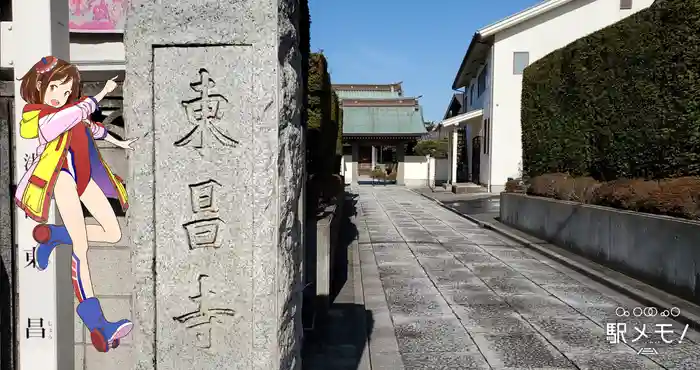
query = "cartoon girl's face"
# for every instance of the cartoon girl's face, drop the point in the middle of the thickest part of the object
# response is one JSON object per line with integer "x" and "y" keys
{"x": 57, "y": 93}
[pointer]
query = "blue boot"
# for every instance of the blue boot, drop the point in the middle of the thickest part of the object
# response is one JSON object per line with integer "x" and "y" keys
{"x": 48, "y": 237}
{"x": 104, "y": 334}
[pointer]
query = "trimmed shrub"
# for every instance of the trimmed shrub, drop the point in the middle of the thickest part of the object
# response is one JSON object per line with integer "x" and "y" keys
{"x": 679, "y": 197}
{"x": 545, "y": 185}
{"x": 378, "y": 173}
{"x": 564, "y": 187}
{"x": 625, "y": 194}
{"x": 436, "y": 148}
{"x": 676, "y": 197}
{"x": 623, "y": 102}
{"x": 392, "y": 175}
{"x": 515, "y": 186}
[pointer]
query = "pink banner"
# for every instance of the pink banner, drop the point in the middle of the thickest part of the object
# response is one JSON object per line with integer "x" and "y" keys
{"x": 104, "y": 16}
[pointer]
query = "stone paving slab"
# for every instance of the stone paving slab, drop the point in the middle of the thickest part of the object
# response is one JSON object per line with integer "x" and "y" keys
{"x": 447, "y": 294}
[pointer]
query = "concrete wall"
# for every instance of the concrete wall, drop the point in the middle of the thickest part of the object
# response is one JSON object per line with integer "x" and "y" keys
{"x": 347, "y": 165}
{"x": 421, "y": 171}
{"x": 416, "y": 171}
{"x": 441, "y": 169}
{"x": 539, "y": 37}
{"x": 657, "y": 249}
{"x": 326, "y": 246}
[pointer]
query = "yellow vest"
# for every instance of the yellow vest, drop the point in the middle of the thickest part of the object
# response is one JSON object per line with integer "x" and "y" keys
{"x": 36, "y": 197}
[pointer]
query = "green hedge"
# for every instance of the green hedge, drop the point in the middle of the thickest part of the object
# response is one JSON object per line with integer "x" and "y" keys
{"x": 338, "y": 118}
{"x": 323, "y": 120}
{"x": 305, "y": 51}
{"x": 623, "y": 102}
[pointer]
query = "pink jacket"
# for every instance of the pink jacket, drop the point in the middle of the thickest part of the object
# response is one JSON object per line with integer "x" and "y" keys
{"x": 51, "y": 127}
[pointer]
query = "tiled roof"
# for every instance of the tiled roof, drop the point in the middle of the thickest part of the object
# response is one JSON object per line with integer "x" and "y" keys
{"x": 369, "y": 87}
{"x": 393, "y": 102}
{"x": 368, "y": 91}
{"x": 360, "y": 94}
{"x": 377, "y": 120}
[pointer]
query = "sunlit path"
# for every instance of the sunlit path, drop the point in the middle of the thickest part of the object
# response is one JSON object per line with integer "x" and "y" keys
{"x": 446, "y": 294}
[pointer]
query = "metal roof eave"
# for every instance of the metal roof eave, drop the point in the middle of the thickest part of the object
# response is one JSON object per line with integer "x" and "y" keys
{"x": 476, "y": 55}
{"x": 456, "y": 120}
{"x": 521, "y": 16}
{"x": 452, "y": 103}
{"x": 486, "y": 34}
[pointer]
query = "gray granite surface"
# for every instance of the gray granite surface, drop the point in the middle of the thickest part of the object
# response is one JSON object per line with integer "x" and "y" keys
{"x": 7, "y": 288}
{"x": 212, "y": 91}
{"x": 446, "y": 294}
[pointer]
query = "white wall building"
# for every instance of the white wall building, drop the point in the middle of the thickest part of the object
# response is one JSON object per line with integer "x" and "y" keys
{"x": 491, "y": 76}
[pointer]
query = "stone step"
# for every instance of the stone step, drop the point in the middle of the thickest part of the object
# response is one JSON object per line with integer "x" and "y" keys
{"x": 467, "y": 188}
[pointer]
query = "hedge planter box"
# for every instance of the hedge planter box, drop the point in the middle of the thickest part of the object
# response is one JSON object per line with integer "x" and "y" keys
{"x": 663, "y": 251}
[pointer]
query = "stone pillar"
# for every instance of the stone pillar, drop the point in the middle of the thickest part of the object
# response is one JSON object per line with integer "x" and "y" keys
{"x": 400, "y": 157}
{"x": 355, "y": 161}
{"x": 45, "y": 297}
{"x": 453, "y": 153}
{"x": 214, "y": 192}
{"x": 374, "y": 156}
{"x": 7, "y": 264}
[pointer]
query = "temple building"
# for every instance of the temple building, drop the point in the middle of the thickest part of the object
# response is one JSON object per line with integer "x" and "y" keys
{"x": 378, "y": 123}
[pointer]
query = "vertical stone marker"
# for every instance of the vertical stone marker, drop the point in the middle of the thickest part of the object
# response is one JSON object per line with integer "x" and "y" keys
{"x": 44, "y": 326}
{"x": 212, "y": 91}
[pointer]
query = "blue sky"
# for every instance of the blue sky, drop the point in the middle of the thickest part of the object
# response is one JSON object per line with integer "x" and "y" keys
{"x": 421, "y": 43}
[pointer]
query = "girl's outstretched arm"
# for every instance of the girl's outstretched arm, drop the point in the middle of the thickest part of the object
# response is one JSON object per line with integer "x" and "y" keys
{"x": 124, "y": 144}
{"x": 99, "y": 131}
{"x": 53, "y": 125}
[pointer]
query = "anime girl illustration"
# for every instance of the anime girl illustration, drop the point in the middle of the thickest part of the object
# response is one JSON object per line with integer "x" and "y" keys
{"x": 69, "y": 168}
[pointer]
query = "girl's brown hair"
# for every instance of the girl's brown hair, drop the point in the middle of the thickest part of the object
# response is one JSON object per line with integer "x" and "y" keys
{"x": 45, "y": 71}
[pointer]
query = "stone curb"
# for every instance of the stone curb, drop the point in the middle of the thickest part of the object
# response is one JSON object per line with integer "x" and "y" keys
{"x": 359, "y": 293}
{"x": 689, "y": 311}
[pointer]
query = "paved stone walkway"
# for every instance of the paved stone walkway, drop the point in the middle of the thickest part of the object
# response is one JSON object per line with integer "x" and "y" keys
{"x": 446, "y": 294}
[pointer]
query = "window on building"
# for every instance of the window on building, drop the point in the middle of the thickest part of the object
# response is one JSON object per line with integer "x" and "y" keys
{"x": 481, "y": 81}
{"x": 471, "y": 96}
{"x": 521, "y": 59}
{"x": 625, "y": 4}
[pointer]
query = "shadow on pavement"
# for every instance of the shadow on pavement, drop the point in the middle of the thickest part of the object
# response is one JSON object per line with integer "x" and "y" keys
{"x": 489, "y": 205}
{"x": 376, "y": 182}
{"x": 339, "y": 336}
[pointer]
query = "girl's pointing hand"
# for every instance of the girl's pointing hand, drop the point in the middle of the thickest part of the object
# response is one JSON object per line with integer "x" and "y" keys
{"x": 126, "y": 144}
{"x": 111, "y": 85}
